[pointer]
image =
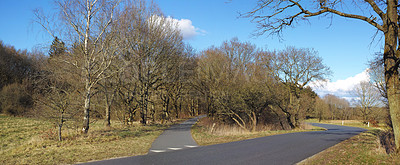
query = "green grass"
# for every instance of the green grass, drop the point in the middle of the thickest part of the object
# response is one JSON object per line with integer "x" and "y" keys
{"x": 33, "y": 141}
{"x": 361, "y": 149}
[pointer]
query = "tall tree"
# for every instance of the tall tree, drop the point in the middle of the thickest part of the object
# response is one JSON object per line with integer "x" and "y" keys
{"x": 88, "y": 23}
{"x": 151, "y": 41}
{"x": 275, "y": 15}
{"x": 368, "y": 98}
{"x": 296, "y": 68}
{"x": 232, "y": 80}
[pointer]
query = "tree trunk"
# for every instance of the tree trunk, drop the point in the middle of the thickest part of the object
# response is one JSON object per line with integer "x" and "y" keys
{"x": 254, "y": 121}
{"x": 109, "y": 102}
{"x": 59, "y": 132}
{"x": 108, "y": 115}
{"x": 60, "y": 125}
{"x": 176, "y": 109}
{"x": 239, "y": 121}
{"x": 86, "y": 112}
{"x": 167, "y": 109}
{"x": 320, "y": 115}
{"x": 145, "y": 102}
{"x": 391, "y": 59}
{"x": 297, "y": 111}
{"x": 290, "y": 120}
{"x": 291, "y": 110}
{"x": 87, "y": 70}
{"x": 153, "y": 113}
{"x": 143, "y": 112}
{"x": 393, "y": 93}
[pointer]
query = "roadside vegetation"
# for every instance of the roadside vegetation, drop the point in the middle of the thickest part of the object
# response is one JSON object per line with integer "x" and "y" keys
{"x": 351, "y": 123}
{"x": 209, "y": 132}
{"x": 375, "y": 146}
{"x": 34, "y": 141}
{"x": 365, "y": 148}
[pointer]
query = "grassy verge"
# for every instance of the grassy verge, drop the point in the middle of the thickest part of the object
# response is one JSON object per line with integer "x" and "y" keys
{"x": 361, "y": 149}
{"x": 32, "y": 141}
{"x": 205, "y": 133}
{"x": 350, "y": 123}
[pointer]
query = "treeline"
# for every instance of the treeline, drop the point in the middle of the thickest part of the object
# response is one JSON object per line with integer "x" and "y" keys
{"x": 16, "y": 68}
{"x": 235, "y": 83}
{"x": 129, "y": 63}
{"x": 331, "y": 107}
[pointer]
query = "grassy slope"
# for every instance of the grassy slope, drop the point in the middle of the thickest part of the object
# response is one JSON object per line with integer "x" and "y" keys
{"x": 31, "y": 141}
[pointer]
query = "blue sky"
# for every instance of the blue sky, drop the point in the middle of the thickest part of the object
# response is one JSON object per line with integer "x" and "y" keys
{"x": 345, "y": 44}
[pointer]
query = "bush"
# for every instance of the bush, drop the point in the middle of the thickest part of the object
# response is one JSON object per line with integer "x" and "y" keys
{"x": 15, "y": 100}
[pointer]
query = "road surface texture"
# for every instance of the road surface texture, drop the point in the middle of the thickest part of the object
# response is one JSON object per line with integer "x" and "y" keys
{"x": 278, "y": 149}
{"x": 176, "y": 137}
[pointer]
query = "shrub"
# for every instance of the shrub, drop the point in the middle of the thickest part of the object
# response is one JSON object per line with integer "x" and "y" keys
{"x": 15, "y": 100}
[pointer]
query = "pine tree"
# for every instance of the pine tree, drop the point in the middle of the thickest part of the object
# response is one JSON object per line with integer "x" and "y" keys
{"x": 57, "y": 48}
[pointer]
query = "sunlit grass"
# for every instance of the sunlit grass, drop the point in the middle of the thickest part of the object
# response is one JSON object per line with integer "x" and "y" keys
{"x": 350, "y": 123}
{"x": 33, "y": 141}
{"x": 361, "y": 149}
{"x": 204, "y": 133}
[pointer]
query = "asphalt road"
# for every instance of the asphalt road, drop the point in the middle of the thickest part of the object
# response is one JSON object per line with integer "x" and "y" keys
{"x": 279, "y": 149}
{"x": 176, "y": 137}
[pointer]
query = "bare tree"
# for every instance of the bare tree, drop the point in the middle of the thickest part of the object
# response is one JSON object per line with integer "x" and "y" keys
{"x": 54, "y": 92}
{"x": 338, "y": 108}
{"x": 296, "y": 68}
{"x": 377, "y": 75}
{"x": 232, "y": 79}
{"x": 321, "y": 109}
{"x": 368, "y": 98}
{"x": 55, "y": 100}
{"x": 151, "y": 41}
{"x": 275, "y": 15}
{"x": 87, "y": 23}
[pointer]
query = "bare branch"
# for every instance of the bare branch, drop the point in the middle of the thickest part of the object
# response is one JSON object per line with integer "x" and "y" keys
{"x": 273, "y": 15}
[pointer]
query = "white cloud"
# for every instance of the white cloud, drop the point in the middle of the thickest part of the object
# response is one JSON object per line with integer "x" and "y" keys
{"x": 187, "y": 29}
{"x": 340, "y": 88}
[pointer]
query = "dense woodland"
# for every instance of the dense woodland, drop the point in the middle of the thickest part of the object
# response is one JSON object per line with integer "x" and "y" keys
{"x": 129, "y": 63}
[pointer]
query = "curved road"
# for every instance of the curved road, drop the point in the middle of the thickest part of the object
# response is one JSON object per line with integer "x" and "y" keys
{"x": 176, "y": 137}
{"x": 278, "y": 149}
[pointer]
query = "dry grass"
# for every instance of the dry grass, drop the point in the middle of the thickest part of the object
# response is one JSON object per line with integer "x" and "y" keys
{"x": 351, "y": 123}
{"x": 31, "y": 141}
{"x": 205, "y": 132}
{"x": 361, "y": 149}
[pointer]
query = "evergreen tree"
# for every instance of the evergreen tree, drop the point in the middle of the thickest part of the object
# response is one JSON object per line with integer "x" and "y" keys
{"x": 57, "y": 48}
